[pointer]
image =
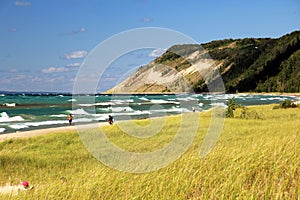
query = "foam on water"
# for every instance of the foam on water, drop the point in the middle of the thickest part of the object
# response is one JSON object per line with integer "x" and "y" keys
{"x": 10, "y": 104}
{"x": 59, "y": 115}
{"x": 43, "y": 123}
{"x": 18, "y": 126}
{"x": 2, "y": 130}
{"x": 173, "y": 109}
{"x": 144, "y": 99}
{"x": 5, "y": 118}
{"x": 95, "y": 104}
{"x": 186, "y": 99}
{"x": 121, "y": 109}
{"x": 79, "y": 111}
{"x": 160, "y": 101}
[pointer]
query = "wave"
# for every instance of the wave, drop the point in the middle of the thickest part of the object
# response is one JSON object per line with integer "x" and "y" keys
{"x": 120, "y": 109}
{"x": 119, "y": 101}
{"x": 95, "y": 104}
{"x": 144, "y": 99}
{"x": 160, "y": 101}
{"x": 10, "y": 104}
{"x": 49, "y": 123}
{"x": 72, "y": 100}
{"x": 186, "y": 99}
{"x": 276, "y": 98}
{"x": 18, "y": 126}
{"x": 5, "y": 118}
{"x": 79, "y": 111}
{"x": 2, "y": 95}
{"x": 59, "y": 115}
{"x": 2, "y": 130}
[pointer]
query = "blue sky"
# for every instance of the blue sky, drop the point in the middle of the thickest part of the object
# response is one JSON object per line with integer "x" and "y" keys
{"x": 44, "y": 42}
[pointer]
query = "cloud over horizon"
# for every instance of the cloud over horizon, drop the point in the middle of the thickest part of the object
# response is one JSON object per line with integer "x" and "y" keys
{"x": 23, "y": 3}
{"x": 75, "y": 55}
{"x": 73, "y": 64}
{"x": 54, "y": 70}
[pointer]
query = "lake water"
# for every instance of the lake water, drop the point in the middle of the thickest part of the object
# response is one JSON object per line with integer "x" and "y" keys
{"x": 21, "y": 112}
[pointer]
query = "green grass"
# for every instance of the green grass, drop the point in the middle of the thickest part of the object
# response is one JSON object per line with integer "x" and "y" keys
{"x": 253, "y": 159}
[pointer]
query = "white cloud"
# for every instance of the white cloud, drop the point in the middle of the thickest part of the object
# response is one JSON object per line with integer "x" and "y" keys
{"x": 13, "y": 29}
{"x": 147, "y": 19}
{"x": 157, "y": 52}
{"x": 81, "y": 30}
{"x": 75, "y": 54}
{"x": 54, "y": 70}
{"x": 73, "y": 65}
{"x": 22, "y": 3}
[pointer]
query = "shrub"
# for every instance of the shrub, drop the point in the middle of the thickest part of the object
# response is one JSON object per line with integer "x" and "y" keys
{"x": 231, "y": 107}
{"x": 286, "y": 104}
{"x": 247, "y": 114}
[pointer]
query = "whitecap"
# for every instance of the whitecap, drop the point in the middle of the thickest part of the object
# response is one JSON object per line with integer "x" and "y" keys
{"x": 121, "y": 109}
{"x": 18, "y": 126}
{"x": 72, "y": 100}
{"x": 160, "y": 101}
{"x": 43, "y": 123}
{"x": 59, "y": 115}
{"x": 186, "y": 99}
{"x": 78, "y": 112}
{"x": 173, "y": 109}
{"x": 118, "y": 101}
{"x": 94, "y": 104}
{"x": 5, "y": 118}
{"x": 144, "y": 99}
{"x": 10, "y": 104}
{"x": 2, "y": 130}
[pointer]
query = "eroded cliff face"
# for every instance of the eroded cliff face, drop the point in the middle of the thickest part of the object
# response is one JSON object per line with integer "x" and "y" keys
{"x": 173, "y": 75}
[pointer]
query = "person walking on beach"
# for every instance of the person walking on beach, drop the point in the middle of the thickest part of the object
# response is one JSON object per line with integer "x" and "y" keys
{"x": 110, "y": 119}
{"x": 70, "y": 118}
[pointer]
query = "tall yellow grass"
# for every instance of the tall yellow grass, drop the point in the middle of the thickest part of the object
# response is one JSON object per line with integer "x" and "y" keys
{"x": 253, "y": 159}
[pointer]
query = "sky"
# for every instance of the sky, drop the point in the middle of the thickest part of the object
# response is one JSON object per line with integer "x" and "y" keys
{"x": 43, "y": 43}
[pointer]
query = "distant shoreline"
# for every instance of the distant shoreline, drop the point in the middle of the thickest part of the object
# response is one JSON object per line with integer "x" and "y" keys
{"x": 297, "y": 94}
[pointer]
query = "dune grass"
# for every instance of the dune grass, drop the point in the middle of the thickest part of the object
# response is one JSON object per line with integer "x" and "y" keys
{"x": 253, "y": 159}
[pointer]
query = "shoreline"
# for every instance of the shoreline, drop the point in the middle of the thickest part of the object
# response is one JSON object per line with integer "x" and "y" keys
{"x": 43, "y": 131}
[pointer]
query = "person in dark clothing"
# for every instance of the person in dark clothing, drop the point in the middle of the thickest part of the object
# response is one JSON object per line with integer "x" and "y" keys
{"x": 110, "y": 119}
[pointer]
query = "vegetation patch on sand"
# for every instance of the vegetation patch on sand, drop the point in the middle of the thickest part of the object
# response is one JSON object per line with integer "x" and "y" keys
{"x": 253, "y": 159}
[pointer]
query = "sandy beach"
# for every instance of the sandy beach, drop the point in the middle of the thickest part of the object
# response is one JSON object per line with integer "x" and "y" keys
{"x": 32, "y": 133}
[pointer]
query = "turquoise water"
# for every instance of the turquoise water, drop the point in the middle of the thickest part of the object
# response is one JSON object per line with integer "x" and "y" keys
{"x": 21, "y": 112}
